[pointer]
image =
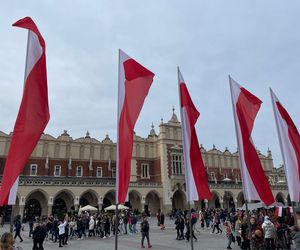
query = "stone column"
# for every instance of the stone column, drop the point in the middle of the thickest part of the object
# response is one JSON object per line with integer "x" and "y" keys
{"x": 222, "y": 203}
{"x": 50, "y": 204}
{"x": 76, "y": 203}
{"x": 100, "y": 202}
{"x": 235, "y": 203}
{"x": 143, "y": 201}
{"x": 206, "y": 203}
{"x": 50, "y": 209}
{"x": 20, "y": 208}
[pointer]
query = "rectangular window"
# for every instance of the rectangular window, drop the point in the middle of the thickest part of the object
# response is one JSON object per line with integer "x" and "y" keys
{"x": 79, "y": 171}
{"x": 33, "y": 169}
{"x": 177, "y": 164}
{"x": 99, "y": 172}
{"x": 113, "y": 173}
{"x": 145, "y": 171}
{"x": 57, "y": 170}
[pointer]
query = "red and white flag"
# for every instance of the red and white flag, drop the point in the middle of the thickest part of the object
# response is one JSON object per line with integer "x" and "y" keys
{"x": 195, "y": 176}
{"x": 278, "y": 211}
{"x": 134, "y": 84}
{"x": 33, "y": 113}
{"x": 289, "y": 140}
{"x": 245, "y": 108}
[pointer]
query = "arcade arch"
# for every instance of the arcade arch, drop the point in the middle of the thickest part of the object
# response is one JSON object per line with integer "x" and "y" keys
{"x": 63, "y": 202}
{"x": 179, "y": 200}
{"x": 215, "y": 201}
{"x": 152, "y": 203}
{"x": 88, "y": 197}
{"x": 109, "y": 199}
{"x": 240, "y": 199}
{"x": 228, "y": 200}
{"x": 135, "y": 200}
{"x": 36, "y": 204}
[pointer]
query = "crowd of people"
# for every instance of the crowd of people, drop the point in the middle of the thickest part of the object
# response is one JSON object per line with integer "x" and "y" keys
{"x": 101, "y": 225}
{"x": 261, "y": 229}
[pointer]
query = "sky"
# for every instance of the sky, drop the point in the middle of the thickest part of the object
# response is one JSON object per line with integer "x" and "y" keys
{"x": 256, "y": 42}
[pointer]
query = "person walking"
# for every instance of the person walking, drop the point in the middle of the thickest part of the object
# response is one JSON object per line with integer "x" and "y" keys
{"x": 61, "y": 230}
{"x": 134, "y": 221}
{"x": 158, "y": 217}
{"x": 125, "y": 221}
{"x": 188, "y": 230}
{"x": 228, "y": 230}
{"x": 38, "y": 236}
{"x": 145, "y": 232}
{"x": 162, "y": 221}
{"x": 91, "y": 227}
{"x": 269, "y": 232}
{"x": 106, "y": 227}
{"x": 30, "y": 222}
{"x": 216, "y": 224}
{"x": 18, "y": 227}
{"x": 79, "y": 228}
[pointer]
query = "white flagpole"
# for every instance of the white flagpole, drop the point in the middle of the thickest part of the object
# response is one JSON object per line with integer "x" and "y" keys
{"x": 117, "y": 162}
{"x": 240, "y": 160}
{"x": 14, "y": 205}
{"x": 186, "y": 172}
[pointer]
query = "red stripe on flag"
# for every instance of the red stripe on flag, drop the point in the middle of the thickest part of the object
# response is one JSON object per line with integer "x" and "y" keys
{"x": 137, "y": 84}
{"x": 247, "y": 108}
{"x": 198, "y": 169}
{"x": 32, "y": 118}
{"x": 293, "y": 133}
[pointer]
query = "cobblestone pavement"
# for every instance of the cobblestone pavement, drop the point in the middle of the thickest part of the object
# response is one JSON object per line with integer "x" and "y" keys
{"x": 160, "y": 240}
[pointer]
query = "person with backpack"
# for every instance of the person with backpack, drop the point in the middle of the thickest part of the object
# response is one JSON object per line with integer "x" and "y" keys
{"x": 145, "y": 232}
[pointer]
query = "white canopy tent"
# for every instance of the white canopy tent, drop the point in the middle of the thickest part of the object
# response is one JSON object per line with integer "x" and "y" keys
{"x": 87, "y": 208}
{"x": 113, "y": 207}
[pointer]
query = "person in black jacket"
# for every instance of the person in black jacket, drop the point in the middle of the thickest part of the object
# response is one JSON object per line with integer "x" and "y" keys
{"x": 145, "y": 232}
{"x": 162, "y": 221}
{"x": 18, "y": 227}
{"x": 179, "y": 227}
{"x": 79, "y": 228}
{"x": 125, "y": 220}
{"x": 38, "y": 235}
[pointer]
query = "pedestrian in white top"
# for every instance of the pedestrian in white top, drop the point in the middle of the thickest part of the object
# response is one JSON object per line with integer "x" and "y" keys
{"x": 61, "y": 230}
{"x": 91, "y": 227}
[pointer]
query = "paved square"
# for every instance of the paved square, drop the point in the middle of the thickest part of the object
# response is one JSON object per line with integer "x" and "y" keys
{"x": 159, "y": 239}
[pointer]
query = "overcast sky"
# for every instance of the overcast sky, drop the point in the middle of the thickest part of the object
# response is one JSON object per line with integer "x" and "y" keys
{"x": 256, "y": 42}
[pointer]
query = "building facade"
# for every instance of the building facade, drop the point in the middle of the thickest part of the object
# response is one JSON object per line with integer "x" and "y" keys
{"x": 64, "y": 173}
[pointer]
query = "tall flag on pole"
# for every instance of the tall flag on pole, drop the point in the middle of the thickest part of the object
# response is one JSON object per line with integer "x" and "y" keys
{"x": 195, "y": 175}
{"x": 33, "y": 113}
{"x": 134, "y": 84}
{"x": 289, "y": 140}
{"x": 245, "y": 108}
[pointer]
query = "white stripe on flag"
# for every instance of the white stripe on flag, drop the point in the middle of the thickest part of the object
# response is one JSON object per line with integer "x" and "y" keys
{"x": 13, "y": 193}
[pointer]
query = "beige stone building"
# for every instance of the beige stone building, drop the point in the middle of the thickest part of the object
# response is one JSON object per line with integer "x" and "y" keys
{"x": 64, "y": 173}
